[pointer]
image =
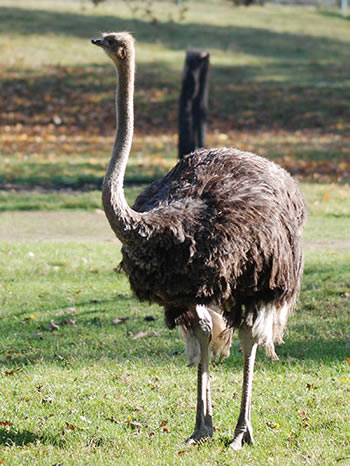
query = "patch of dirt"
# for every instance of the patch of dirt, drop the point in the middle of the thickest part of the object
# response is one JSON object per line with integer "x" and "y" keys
{"x": 89, "y": 226}
{"x": 55, "y": 226}
{"x": 332, "y": 244}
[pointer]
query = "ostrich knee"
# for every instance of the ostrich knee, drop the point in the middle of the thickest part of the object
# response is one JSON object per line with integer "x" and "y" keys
{"x": 197, "y": 334}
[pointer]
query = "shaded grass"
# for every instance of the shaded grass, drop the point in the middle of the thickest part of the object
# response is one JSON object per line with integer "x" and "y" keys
{"x": 57, "y": 200}
{"x": 326, "y": 200}
{"x": 279, "y": 87}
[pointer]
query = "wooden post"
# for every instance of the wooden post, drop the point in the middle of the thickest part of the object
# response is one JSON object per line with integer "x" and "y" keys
{"x": 193, "y": 106}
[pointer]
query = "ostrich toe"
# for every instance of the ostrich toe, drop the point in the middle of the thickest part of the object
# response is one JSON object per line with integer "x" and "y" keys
{"x": 200, "y": 435}
{"x": 244, "y": 435}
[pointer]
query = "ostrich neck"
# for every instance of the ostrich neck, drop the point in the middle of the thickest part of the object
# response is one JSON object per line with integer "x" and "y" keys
{"x": 123, "y": 220}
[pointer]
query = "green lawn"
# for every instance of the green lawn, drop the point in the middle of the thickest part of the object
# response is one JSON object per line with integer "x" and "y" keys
{"x": 88, "y": 392}
{"x": 279, "y": 86}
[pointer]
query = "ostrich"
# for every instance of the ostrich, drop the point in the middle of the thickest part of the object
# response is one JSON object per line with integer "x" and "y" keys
{"x": 216, "y": 243}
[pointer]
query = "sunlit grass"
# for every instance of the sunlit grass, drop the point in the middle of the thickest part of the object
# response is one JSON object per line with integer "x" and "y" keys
{"x": 88, "y": 392}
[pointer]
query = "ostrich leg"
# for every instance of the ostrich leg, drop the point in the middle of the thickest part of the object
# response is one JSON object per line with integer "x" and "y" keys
{"x": 204, "y": 424}
{"x": 244, "y": 430}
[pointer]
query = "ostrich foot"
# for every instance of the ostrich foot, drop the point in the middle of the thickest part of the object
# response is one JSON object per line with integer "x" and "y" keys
{"x": 243, "y": 434}
{"x": 200, "y": 435}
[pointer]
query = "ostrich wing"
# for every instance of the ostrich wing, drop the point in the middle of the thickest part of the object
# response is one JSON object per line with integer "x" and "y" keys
{"x": 220, "y": 228}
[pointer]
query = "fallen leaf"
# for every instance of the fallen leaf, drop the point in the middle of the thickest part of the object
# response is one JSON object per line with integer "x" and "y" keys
{"x": 13, "y": 371}
{"x": 122, "y": 379}
{"x": 119, "y": 320}
{"x": 68, "y": 322}
{"x": 31, "y": 317}
{"x": 273, "y": 425}
{"x": 112, "y": 419}
{"x": 305, "y": 421}
{"x": 46, "y": 400}
{"x": 5, "y": 423}
{"x": 140, "y": 334}
{"x": 135, "y": 424}
{"x": 71, "y": 310}
{"x": 180, "y": 453}
{"x": 310, "y": 386}
{"x": 70, "y": 426}
{"x": 53, "y": 326}
{"x": 73, "y": 427}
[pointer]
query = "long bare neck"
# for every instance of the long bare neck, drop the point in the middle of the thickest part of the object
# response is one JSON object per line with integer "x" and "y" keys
{"x": 123, "y": 220}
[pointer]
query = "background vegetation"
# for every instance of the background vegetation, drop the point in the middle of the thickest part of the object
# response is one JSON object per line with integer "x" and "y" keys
{"x": 90, "y": 376}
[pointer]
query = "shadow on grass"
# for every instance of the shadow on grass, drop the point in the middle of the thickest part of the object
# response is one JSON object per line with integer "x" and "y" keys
{"x": 83, "y": 99}
{"x": 94, "y": 338}
{"x": 334, "y": 14}
{"x": 255, "y": 41}
{"x": 87, "y": 110}
{"x": 236, "y": 101}
{"x": 18, "y": 438}
{"x": 314, "y": 348}
{"x": 304, "y": 87}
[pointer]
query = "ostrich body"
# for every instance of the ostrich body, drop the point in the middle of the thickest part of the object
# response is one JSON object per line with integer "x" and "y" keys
{"x": 216, "y": 242}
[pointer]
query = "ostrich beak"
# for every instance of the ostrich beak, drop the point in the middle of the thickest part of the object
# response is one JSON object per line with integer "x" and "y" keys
{"x": 99, "y": 42}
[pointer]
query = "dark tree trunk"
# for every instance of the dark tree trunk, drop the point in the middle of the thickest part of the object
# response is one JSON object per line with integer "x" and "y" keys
{"x": 193, "y": 105}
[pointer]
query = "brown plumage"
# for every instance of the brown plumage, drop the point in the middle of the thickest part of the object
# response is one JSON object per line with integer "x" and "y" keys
{"x": 216, "y": 242}
{"x": 224, "y": 227}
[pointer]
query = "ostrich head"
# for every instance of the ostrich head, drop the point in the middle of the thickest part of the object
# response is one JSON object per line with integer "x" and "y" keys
{"x": 119, "y": 46}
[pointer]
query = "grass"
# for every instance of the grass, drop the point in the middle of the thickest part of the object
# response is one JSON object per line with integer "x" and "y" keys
{"x": 279, "y": 86}
{"x": 88, "y": 392}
